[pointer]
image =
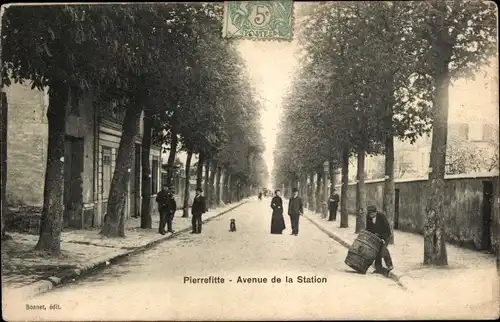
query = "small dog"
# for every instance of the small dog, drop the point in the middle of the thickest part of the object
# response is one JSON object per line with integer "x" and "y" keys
{"x": 232, "y": 225}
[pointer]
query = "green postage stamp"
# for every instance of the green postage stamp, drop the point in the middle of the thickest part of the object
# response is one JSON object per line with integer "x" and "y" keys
{"x": 258, "y": 19}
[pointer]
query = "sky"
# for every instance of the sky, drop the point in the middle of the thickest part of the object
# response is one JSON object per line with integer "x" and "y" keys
{"x": 270, "y": 65}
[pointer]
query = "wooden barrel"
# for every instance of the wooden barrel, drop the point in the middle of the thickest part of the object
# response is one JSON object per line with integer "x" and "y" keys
{"x": 363, "y": 251}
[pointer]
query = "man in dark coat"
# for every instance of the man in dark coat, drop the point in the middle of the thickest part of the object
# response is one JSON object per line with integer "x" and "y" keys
{"x": 172, "y": 207}
{"x": 163, "y": 208}
{"x": 295, "y": 210}
{"x": 377, "y": 224}
{"x": 198, "y": 208}
{"x": 333, "y": 204}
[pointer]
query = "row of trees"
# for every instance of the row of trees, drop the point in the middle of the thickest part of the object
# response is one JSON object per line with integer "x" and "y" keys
{"x": 373, "y": 71}
{"x": 167, "y": 62}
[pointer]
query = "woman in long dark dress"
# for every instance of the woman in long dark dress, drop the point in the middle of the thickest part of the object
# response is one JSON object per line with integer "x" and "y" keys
{"x": 277, "y": 220}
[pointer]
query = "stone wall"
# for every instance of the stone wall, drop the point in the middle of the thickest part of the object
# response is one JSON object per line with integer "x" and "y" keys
{"x": 26, "y": 144}
{"x": 463, "y": 204}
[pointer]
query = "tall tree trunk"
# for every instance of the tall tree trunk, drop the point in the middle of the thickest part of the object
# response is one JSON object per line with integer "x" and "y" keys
{"x": 234, "y": 186}
{"x": 52, "y": 213}
{"x": 434, "y": 228}
{"x": 212, "y": 189}
{"x": 318, "y": 192}
{"x": 333, "y": 175}
{"x": 389, "y": 185}
{"x": 185, "y": 207}
{"x": 312, "y": 200}
{"x": 223, "y": 182}
{"x": 303, "y": 185}
{"x": 114, "y": 225}
{"x": 388, "y": 201}
{"x": 229, "y": 189}
{"x": 236, "y": 190}
{"x": 3, "y": 142}
{"x": 361, "y": 192}
{"x": 301, "y": 190}
{"x": 225, "y": 187}
{"x": 146, "y": 222}
{"x": 326, "y": 179}
{"x": 206, "y": 180}
{"x": 344, "y": 216}
{"x": 217, "y": 186}
{"x": 173, "y": 152}
{"x": 199, "y": 171}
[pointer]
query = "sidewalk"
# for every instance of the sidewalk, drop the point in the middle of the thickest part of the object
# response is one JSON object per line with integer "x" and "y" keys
{"x": 465, "y": 267}
{"x": 26, "y": 273}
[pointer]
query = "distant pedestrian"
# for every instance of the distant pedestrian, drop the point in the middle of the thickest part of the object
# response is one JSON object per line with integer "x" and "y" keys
{"x": 277, "y": 220}
{"x": 260, "y": 195}
{"x": 172, "y": 207}
{"x": 295, "y": 210}
{"x": 333, "y": 205}
{"x": 377, "y": 223}
{"x": 163, "y": 208}
{"x": 198, "y": 208}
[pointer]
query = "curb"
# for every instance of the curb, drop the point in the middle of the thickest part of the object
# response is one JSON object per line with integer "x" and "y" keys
{"x": 347, "y": 245}
{"x": 46, "y": 285}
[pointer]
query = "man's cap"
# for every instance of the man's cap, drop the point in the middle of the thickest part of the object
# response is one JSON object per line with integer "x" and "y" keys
{"x": 371, "y": 209}
{"x": 199, "y": 190}
{"x": 295, "y": 190}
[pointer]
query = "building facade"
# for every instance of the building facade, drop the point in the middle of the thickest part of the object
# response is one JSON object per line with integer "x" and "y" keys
{"x": 475, "y": 144}
{"x": 91, "y": 146}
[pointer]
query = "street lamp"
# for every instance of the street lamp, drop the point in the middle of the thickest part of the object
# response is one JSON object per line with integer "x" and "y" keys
{"x": 326, "y": 169}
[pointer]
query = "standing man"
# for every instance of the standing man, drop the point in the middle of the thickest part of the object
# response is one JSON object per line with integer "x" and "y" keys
{"x": 163, "y": 201}
{"x": 333, "y": 205}
{"x": 172, "y": 207}
{"x": 295, "y": 210}
{"x": 377, "y": 223}
{"x": 199, "y": 208}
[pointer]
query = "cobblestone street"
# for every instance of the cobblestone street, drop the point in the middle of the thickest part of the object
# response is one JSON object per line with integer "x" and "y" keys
{"x": 151, "y": 285}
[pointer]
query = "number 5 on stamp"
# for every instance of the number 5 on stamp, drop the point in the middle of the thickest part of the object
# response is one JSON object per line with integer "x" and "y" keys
{"x": 266, "y": 20}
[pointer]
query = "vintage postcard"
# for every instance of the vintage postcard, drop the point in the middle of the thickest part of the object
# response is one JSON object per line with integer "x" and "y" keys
{"x": 250, "y": 160}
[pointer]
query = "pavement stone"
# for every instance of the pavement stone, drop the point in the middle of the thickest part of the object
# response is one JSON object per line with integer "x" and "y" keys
{"x": 27, "y": 272}
{"x": 464, "y": 265}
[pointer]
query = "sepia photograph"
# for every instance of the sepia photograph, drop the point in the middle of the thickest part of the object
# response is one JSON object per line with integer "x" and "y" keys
{"x": 250, "y": 161}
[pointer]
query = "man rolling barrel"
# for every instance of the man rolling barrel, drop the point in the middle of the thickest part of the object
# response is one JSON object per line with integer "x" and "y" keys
{"x": 376, "y": 223}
